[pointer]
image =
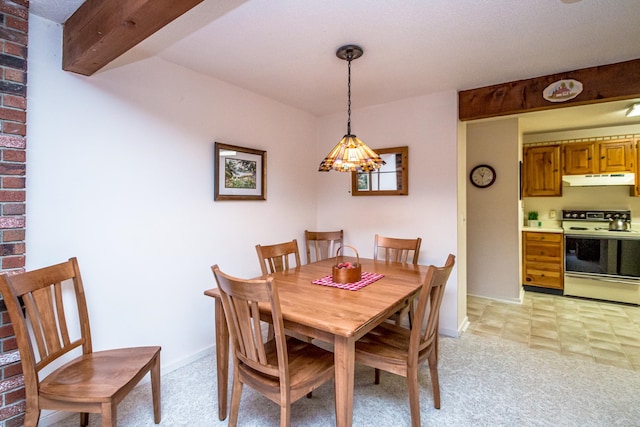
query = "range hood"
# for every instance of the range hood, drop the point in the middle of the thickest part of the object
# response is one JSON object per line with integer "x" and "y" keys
{"x": 599, "y": 179}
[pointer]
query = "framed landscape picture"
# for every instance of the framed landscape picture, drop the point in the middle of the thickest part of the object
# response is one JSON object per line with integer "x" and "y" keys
{"x": 239, "y": 173}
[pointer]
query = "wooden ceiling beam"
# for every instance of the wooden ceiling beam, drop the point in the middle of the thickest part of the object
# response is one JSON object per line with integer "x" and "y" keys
{"x": 102, "y": 30}
{"x": 600, "y": 84}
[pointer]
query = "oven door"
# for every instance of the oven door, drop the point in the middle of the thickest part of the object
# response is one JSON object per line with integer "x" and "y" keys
{"x": 603, "y": 257}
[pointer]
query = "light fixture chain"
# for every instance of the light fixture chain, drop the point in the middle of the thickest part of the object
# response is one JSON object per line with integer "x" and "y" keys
{"x": 349, "y": 98}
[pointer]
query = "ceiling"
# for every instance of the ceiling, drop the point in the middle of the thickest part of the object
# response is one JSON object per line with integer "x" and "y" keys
{"x": 285, "y": 49}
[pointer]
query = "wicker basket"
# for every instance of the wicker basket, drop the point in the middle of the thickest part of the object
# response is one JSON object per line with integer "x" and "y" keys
{"x": 346, "y": 275}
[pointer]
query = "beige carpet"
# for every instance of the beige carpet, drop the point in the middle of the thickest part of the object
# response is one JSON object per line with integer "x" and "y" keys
{"x": 484, "y": 382}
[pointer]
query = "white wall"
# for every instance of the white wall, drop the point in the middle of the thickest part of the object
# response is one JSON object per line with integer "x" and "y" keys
{"x": 428, "y": 126}
{"x": 120, "y": 174}
{"x": 493, "y": 213}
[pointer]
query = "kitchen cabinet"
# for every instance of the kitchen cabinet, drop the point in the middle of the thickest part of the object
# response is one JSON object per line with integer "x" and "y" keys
{"x": 578, "y": 158}
{"x": 542, "y": 259}
{"x": 541, "y": 171}
{"x": 599, "y": 157}
{"x": 616, "y": 156}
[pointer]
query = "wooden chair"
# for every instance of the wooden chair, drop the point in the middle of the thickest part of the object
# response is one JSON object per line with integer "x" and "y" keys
{"x": 283, "y": 369}
{"x": 324, "y": 244}
{"x": 94, "y": 382}
{"x": 276, "y": 257}
{"x": 402, "y": 351}
{"x": 396, "y": 250}
{"x": 392, "y": 249}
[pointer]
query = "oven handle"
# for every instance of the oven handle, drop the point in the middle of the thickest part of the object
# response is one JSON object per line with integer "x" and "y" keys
{"x": 603, "y": 278}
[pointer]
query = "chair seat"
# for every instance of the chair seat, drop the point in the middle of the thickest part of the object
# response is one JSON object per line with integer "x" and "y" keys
{"x": 307, "y": 362}
{"x": 386, "y": 341}
{"x": 97, "y": 376}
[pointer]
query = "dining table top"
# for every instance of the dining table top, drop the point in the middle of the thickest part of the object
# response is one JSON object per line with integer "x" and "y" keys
{"x": 343, "y": 312}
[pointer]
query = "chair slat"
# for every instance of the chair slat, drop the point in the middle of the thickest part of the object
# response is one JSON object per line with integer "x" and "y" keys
{"x": 62, "y": 320}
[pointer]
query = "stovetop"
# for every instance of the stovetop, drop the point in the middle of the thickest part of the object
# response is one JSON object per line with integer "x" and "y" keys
{"x": 596, "y": 222}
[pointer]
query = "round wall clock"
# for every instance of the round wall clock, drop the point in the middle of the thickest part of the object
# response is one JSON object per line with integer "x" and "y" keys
{"x": 482, "y": 176}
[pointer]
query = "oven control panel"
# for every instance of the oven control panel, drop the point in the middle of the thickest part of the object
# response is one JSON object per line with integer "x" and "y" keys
{"x": 595, "y": 215}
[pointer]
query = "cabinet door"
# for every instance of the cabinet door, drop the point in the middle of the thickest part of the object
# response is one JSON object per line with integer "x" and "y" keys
{"x": 616, "y": 156}
{"x": 543, "y": 255}
{"x": 544, "y": 275}
{"x": 578, "y": 158}
{"x": 541, "y": 171}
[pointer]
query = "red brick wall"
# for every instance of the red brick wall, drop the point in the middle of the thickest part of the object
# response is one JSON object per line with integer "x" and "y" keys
{"x": 14, "y": 19}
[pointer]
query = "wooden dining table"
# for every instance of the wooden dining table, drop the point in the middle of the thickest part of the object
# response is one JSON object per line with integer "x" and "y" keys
{"x": 329, "y": 314}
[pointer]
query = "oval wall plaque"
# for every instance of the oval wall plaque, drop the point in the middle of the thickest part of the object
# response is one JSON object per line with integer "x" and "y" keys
{"x": 562, "y": 90}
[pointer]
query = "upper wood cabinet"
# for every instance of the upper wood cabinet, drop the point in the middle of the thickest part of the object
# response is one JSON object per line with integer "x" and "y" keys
{"x": 578, "y": 158}
{"x": 599, "y": 157}
{"x": 616, "y": 156}
{"x": 541, "y": 171}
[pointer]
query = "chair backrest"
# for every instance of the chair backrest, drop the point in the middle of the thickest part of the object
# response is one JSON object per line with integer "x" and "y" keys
{"x": 424, "y": 331}
{"x": 397, "y": 250}
{"x": 240, "y": 299}
{"x": 322, "y": 244}
{"x": 276, "y": 257}
{"x": 49, "y": 314}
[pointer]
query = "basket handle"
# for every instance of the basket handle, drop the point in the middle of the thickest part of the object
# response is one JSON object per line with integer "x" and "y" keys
{"x": 347, "y": 246}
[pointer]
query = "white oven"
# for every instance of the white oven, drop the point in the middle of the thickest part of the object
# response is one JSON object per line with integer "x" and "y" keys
{"x": 598, "y": 262}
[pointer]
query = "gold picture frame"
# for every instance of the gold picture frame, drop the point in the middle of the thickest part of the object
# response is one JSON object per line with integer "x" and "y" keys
{"x": 239, "y": 173}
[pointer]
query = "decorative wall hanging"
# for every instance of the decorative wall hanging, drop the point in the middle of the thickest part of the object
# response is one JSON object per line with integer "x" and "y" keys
{"x": 562, "y": 90}
{"x": 239, "y": 173}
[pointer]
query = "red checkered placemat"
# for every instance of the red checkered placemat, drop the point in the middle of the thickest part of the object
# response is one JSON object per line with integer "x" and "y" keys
{"x": 366, "y": 279}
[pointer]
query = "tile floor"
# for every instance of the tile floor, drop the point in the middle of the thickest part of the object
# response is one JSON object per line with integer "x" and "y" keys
{"x": 606, "y": 333}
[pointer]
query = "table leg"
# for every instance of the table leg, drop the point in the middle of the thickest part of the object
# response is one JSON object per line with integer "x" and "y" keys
{"x": 222, "y": 359}
{"x": 344, "y": 357}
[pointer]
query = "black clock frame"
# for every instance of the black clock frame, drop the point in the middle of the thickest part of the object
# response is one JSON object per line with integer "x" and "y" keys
{"x": 493, "y": 171}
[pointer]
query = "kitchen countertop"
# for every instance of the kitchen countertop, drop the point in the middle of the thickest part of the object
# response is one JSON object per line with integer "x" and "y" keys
{"x": 544, "y": 229}
{"x": 546, "y": 226}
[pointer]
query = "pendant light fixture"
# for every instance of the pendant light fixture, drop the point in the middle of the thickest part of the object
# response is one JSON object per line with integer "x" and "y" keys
{"x": 351, "y": 154}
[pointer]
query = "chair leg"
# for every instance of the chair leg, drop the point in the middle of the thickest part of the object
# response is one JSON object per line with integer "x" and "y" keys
{"x": 309, "y": 395}
{"x": 155, "y": 389}
{"x": 377, "y": 376}
{"x": 236, "y": 394}
{"x": 31, "y": 417}
{"x": 433, "y": 371}
{"x": 414, "y": 398}
{"x": 285, "y": 414}
{"x": 84, "y": 419}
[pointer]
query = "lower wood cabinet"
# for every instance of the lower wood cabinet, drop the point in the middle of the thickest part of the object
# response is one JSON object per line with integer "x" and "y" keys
{"x": 542, "y": 259}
